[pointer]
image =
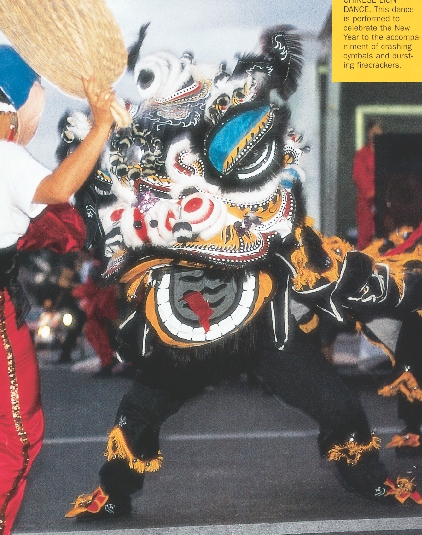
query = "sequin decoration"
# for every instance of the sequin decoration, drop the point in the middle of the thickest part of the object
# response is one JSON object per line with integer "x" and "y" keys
{"x": 14, "y": 398}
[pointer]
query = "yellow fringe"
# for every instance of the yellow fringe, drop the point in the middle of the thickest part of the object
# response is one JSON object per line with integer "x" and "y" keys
{"x": 335, "y": 248}
{"x": 304, "y": 276}
{"x": 406, "y": 384}
{"x": 352, "y": 451}
{"x": 118, "y": 449}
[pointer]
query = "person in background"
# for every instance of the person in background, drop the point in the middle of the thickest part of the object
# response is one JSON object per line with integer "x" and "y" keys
{"x": 27, "y": 189}
{"x": 364, "y": 179}
{"x": 99, "y": 302}
{"x": 61, "y": 299}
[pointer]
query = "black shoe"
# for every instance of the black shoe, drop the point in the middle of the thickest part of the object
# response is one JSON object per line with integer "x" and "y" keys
{"x": 368, "y": 486}
{"x": 367, "y": 480}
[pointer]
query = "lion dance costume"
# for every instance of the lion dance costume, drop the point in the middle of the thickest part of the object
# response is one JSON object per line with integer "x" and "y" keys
{"x": 201, "y": 216}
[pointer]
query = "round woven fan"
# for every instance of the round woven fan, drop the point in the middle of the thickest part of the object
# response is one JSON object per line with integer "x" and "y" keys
{"x": 64, "y": 40}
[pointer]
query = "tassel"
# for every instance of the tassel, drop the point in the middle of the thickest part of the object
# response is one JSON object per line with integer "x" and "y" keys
{"x": 88, "y": 503}
{"x": 352, "y": 451}
{"x": 118, "y": 449}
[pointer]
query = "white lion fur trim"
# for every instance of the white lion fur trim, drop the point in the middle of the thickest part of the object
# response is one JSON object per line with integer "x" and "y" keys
{"x": 130, "y": 237}
{"x": 180, "y": 180}
{"x": 79, "y": 125}
{"x": 204, "y": 71}
{"x": 161, "y": 213}
{"x": 170, "y": 74}
{"x": 228, "y": 87}
{"x": 123, "y": 193}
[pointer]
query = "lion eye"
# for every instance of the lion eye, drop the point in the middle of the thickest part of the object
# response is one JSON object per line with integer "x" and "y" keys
{"x": 222, "y": 101}
{"x": 239, "y": 95}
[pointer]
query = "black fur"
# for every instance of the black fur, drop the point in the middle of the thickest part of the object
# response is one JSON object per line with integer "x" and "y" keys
{"x": 133, "y": 52}
{"x": 287, "y": 66}
{"x": 279, "y": 66}
{"x": 300, "y": 203}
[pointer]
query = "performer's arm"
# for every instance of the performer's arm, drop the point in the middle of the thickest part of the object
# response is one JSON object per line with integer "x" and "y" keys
{"x": 75, "y": 169}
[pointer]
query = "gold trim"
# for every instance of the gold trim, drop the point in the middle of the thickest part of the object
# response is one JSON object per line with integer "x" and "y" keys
{"x": 117, "y": 448}
{"x": 410, "y": 440}
{"x": 16, "y": 412}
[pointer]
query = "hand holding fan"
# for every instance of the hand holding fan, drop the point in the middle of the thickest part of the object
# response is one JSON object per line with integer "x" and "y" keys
{"x": 65, "y": 40}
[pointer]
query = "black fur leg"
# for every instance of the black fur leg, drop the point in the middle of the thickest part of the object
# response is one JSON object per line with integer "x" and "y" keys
{"x": 119, "y": 481}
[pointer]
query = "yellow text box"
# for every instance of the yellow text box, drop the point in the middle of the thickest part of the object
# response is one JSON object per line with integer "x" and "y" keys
{"x": 377, "y": 41}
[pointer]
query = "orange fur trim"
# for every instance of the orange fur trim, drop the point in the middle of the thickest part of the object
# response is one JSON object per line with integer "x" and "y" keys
{"x": 410, "y": 440}
{"x": 311, "y": 325}
{"x": 336, "y": 250}
{"x": 406, "y": 384}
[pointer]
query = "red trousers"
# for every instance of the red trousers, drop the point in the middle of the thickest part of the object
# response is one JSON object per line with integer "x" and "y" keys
{"x": 21, "y": 417}
{"x": 96, "y": 334}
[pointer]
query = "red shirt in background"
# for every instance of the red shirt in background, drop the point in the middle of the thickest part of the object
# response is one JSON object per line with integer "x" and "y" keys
{"x": 364, "y": 178}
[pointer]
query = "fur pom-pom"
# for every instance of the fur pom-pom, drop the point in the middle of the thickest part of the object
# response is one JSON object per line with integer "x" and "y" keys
{"x": 161, "y": 75}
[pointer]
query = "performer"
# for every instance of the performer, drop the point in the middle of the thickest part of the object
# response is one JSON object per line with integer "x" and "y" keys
{"x": 27, "y": 188}
{"x": 99, "y": 303}
{"x": 364, "y": 179}
{"x": 211, "y": 239}
{"x": 58, "y": 297}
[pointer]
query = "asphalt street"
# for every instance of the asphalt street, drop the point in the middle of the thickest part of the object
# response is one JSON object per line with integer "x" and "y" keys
{"x": 236, "y": 461}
